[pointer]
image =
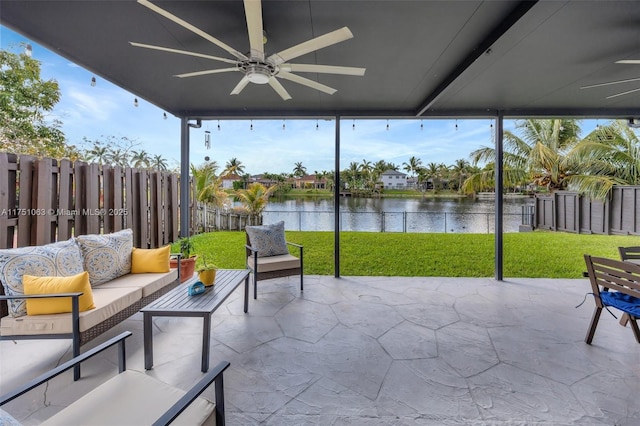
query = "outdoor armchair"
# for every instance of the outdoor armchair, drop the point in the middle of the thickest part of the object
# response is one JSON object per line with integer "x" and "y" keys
{"x": 614, "y": 284}
{"x": 268, "y": 254}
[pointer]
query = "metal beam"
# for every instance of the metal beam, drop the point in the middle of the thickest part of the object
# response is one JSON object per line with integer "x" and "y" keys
{"x": 336, "y": 203}
{"x": 499, "y": 201}
{"x": 184, "y": 177}
{"x": 518, "y": 12}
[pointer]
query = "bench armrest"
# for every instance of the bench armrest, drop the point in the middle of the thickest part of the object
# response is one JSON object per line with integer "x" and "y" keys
{"x": 214, "y": 375}
{"x": 118, "y": 340}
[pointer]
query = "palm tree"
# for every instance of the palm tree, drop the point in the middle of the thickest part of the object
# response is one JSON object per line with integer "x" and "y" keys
{"x": 98, "y": 154}
{"x": 158, "y": 162}
{"x": 255, "y": 197}
{"x": 234, "y": 166}
{"x": 119, "y": 157}
{"x": 412, "y": 166}
{"x": 299, "y": 170}
{"x": 610, "y": 155}
{"x": 140, "y": 159}
{"x": 538, "y": 156}
{"x": 366, "y": 172}
{"x": 460, "y": 171}
{"x": 208, "y": 184}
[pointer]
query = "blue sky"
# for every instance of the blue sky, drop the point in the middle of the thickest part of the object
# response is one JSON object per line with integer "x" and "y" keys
{"x": 106, "y": 110}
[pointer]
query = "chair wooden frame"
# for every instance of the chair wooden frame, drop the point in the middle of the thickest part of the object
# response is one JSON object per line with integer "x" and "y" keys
{"x": 611, "y": 275}
{"x": 630, "y": 253}
{"x": 257, "y": 275}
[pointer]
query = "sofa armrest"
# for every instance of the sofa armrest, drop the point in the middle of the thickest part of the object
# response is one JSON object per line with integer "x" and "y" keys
{"x": 118, "y": 340}
{"x": 214, "y": 375}
{"x": 73, "y": 295}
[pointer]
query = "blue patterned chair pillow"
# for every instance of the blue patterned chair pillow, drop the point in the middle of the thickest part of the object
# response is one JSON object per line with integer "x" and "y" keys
{"x": 61, "y": 259}
{"x": 106, "y": 256}
{"x": 269, "y": 240}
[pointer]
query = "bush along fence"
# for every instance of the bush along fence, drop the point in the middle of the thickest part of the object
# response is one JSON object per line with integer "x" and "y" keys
{"x": 569, "y": 211}
{"x": 45, "y": 200}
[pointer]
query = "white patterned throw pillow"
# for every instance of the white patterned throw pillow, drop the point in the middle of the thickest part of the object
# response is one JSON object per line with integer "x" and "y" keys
{"x": 106, "y": 256}
{"x": 61, "y": 259}
{"x": 269, "y": 240}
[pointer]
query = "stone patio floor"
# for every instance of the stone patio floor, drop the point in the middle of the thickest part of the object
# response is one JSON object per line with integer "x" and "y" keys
{"x": 378, "y": 351}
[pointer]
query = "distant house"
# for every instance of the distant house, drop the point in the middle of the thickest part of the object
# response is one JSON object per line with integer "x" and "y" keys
{"x": 392, "y": 179}
{"x": 308, "y": 182}
{"x": 227, "y": 180}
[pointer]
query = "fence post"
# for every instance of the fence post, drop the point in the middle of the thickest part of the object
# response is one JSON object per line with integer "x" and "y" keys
{"x": 445, "y": 222}
{"x": 404, "y": 222}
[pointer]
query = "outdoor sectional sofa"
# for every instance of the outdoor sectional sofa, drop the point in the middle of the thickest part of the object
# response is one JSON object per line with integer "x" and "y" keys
{"x": 117, "y": 292}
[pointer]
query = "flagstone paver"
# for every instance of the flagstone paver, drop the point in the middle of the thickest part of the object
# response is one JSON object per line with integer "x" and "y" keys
{"x": 380, "y": 351}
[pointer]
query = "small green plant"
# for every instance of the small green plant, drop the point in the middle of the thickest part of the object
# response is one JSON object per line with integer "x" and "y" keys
{"x": 206, "y": 266}
{"x": 186, "y": 247}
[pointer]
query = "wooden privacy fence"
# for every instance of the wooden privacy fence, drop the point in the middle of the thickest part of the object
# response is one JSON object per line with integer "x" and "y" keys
{"x": 571, "y": 212}
{"x": 44, "y": 200}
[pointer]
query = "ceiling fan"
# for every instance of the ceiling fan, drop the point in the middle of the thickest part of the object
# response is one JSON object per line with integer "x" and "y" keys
{"x": 629, "y": 80}
{"x": 255, "y": 65}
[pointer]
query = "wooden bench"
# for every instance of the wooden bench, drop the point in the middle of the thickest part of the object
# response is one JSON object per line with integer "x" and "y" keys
{"x": 615, "y": 284}
{"x": 132, "y": 397}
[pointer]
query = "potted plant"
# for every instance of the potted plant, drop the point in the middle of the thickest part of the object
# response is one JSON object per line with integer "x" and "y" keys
{"x": 207, "y": 272}
{"x": 187, "y": 261}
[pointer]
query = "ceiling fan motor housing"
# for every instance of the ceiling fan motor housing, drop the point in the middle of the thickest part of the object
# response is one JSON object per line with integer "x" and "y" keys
{"x": 257, "y": 72}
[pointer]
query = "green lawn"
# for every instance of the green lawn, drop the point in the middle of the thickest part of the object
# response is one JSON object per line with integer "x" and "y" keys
{"x": 529, "y": 254}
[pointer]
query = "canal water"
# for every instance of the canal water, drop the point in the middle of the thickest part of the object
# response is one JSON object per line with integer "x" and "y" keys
{"x": 442, "y": 215}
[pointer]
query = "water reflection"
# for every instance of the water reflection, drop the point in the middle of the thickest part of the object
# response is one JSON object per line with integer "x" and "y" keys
{"x": 450, "y": 215}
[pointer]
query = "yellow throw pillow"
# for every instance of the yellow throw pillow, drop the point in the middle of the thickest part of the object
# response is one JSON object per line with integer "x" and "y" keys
{"x": 56, "y": 285}
{"x": 150, "y": 260}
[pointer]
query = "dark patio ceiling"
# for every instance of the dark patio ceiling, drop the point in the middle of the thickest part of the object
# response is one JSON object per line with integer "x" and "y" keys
{"x": 436, "y": 58}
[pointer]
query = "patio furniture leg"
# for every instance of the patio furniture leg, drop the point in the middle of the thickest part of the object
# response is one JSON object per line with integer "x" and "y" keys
{"x": 206, "y": 339}
{"x": 246, "y": 294}
{"x": 624, "y": 319}
{"x": 75, "y": 318}
{"x": 255, "y": 284}
{"x": 594, "y": 324}
{"x": 634, "y": 327}
{"x": 148, "y": 341}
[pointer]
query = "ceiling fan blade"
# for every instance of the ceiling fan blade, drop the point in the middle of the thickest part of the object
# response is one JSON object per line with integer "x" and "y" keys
{"x": 323, "y": 69}
{"x": 191, "y": 28}
{"x": 307, "y": 82}
{"x": 629, "y": 61}
{"x": 312, "y": 45}
{"x": 610, "y": 83}
{"x": 623, "y": 93}
{"x": 273, "y": 82}
{"x": 206, "y": 72}
{"x": 182, "y": 52}
{"x": 241, "y": 85}
{"x": 253, "y": 12}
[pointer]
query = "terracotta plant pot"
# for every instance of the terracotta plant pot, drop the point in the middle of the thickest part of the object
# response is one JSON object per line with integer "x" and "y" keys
{"x": 208, "y": 277}
{"x": 187, "y": 267}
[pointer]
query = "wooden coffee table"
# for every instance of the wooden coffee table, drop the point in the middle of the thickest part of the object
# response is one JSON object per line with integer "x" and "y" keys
{"x": 177, "y": 303}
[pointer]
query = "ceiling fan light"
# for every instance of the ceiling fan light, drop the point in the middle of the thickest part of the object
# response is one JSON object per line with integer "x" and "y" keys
{"x": 257, "y": 77}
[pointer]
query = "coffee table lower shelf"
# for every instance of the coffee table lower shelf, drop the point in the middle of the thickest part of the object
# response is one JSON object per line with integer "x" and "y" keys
{"x": 177, "y": 303}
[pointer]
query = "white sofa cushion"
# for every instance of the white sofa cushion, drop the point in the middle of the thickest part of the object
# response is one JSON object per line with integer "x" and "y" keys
{"x": 148, "y": 282}
{"x": 61, "y": 259}
{"x": 132, "y": 398}
{"x": 108, "y": 301}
